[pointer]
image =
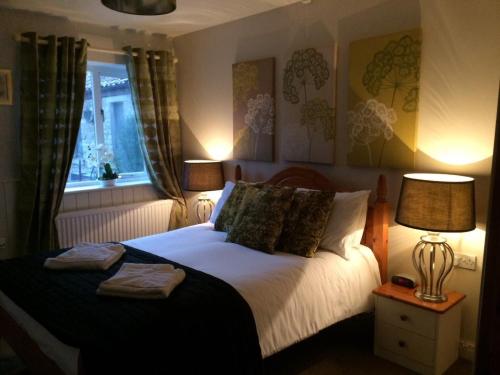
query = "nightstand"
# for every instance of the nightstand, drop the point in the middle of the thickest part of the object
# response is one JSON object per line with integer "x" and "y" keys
{"x": 422, "y": 336}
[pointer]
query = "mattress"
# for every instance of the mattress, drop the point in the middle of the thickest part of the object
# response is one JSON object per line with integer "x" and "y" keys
{"x": 291, "y": 297}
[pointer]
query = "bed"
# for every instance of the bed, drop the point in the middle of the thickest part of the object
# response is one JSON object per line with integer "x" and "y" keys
{"x": 276, "y": 287}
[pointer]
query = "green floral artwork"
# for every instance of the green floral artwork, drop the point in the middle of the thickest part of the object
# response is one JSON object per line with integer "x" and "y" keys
{"x": 317, "y": 116}
{"x": 302, "y": 62}
{"x": 384, "y": 75}
{"x": 395, "y": 68}
{"x": 411, "y": 100}
{"x": 308, "y": 88}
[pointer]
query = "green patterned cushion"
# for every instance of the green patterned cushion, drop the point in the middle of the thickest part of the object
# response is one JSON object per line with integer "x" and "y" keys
{"x": 230, "y": 209}
{"x": 260, "y": 218}
{"x": 305, "y": 222}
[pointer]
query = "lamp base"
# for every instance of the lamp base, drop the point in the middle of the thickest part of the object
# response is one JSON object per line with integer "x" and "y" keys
{"x": 433, "y": 259}
{"x": 204, "y": 208}
{"x": 430, "y": 297}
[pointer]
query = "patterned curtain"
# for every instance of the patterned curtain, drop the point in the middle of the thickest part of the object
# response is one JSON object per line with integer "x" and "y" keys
{"x": 52, "y": 96}
{"x": 155, "y": 100}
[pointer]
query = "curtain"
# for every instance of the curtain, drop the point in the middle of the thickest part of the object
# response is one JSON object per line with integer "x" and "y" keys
{"x": 52, "y": 96}
{"x": 155, "y": 99}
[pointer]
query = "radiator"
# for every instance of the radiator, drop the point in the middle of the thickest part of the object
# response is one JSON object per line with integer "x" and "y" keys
{"x": 117, "y": 223}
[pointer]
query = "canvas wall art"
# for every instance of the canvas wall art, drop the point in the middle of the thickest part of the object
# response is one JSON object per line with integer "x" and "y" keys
{"x": 384, "y": 74}
{"x": 253, "y": 110}
{"x": 309, "y": 83}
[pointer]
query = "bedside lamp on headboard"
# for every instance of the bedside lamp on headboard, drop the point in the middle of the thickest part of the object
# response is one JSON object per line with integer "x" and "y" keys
{"x": 435, "y": 203}
{"x": 203, "y": 176}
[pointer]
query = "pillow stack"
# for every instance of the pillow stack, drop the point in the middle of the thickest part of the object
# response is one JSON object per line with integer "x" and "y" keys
{"x": 270, "y": 218}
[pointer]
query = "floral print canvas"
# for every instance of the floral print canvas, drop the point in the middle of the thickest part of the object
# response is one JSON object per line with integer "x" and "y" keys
{"x": 384, "y": 74}
{"x": 253, "y": 110}
{"x": 309, "y": 81}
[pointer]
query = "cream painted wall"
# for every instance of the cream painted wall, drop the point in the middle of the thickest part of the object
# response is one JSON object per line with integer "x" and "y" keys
{"x": 12, "y": 22}
{"x": 459, "y": 83}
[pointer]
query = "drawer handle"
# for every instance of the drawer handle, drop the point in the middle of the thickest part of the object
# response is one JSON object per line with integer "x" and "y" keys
{"x": 401, "y": 344}
{"x": 404, "y": 318}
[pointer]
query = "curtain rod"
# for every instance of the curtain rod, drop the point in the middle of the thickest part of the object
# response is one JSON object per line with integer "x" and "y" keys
{"x": 20, "y": 38}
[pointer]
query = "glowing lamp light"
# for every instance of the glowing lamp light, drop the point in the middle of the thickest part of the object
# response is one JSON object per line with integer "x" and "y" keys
{"x": 456, "y": 151}
{"x": 218, "y": 150}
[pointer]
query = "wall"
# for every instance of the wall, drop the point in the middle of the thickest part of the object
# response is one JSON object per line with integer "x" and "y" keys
{"x": 13, "y": 22}
{"x": 459, "y": 82}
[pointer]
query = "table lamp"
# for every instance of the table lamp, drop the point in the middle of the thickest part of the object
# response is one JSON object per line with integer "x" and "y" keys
{"x": 436, "y": 203}
{"x": 203, "y": 175}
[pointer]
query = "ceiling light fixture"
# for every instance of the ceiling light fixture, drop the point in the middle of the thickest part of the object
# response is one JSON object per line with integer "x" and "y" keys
{"x": 141, "y": 7}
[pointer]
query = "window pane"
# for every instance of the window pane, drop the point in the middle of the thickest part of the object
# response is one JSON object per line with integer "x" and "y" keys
{"x": 119, "y": 123}
{"x": 108, "y": 129}
{"x": 85, "y": 164}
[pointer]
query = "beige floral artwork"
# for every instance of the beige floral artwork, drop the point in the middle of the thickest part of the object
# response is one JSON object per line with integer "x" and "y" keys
{"x": 260, "y": 117}
{"x": 368, "y": 122}
{"x": 253, "y": 110}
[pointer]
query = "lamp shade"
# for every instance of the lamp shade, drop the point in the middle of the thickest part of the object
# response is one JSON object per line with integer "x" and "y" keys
{"x": 203, "y": 175}
{"x": 141, "y": 7}
{"x": 437, "y": 202}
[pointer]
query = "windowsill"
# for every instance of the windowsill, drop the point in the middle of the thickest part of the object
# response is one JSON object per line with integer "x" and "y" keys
{"x": 119, "y": 185}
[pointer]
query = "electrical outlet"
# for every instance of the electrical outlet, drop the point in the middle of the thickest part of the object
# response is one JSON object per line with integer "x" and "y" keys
{"x": 465, "y": 261}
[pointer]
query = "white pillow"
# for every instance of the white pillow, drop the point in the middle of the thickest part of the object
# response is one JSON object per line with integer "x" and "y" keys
{"x": 228, "y": 188}
{"x": 346, "y": 224}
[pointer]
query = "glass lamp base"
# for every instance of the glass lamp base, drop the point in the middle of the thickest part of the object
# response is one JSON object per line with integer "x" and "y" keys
{"x": 204, "y": 208}
{"x": 430, "y": 298}
{"x": 433, "y": 259}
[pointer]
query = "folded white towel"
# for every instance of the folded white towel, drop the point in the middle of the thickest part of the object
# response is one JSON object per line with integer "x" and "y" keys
{"x": 87, "y": 256}
{"x": 145, "y": 281}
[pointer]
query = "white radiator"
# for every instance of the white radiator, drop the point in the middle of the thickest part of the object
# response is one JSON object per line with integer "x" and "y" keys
{"x": 118, "y": 223}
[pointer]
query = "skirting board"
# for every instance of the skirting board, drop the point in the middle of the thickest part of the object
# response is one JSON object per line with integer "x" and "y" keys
{"x": 467, "y": 350}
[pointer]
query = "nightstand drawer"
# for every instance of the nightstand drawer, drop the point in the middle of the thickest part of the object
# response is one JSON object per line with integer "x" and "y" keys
{"x": 405, "y": 343}
{"x": 405, "y": 316}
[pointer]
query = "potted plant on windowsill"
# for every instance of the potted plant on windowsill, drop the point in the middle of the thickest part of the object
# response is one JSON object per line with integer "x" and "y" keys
{"x": 108, "y": 177}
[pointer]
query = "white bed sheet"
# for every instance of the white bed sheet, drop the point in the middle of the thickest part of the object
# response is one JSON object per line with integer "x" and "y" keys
{"x": 291, "y": 297}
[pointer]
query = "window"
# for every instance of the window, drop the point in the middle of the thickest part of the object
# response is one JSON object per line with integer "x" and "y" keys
{"x": 108, "y": 129}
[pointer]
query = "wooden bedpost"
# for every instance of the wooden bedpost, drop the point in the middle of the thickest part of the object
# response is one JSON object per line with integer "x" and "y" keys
{"x": 381, "y": 227}
{"x": 237, "y": 172}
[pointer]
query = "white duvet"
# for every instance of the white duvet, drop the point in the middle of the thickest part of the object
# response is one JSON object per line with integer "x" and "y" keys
{"x": 291, "y": 297}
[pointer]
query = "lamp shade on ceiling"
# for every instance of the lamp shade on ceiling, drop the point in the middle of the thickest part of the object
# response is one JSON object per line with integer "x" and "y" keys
{"x": 203, "y": 175}
{"x": 437, "y": 202}
{"x": 141, "y": 7}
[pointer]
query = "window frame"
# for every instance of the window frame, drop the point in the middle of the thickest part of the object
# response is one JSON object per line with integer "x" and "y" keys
{"x": 97, "y": 70}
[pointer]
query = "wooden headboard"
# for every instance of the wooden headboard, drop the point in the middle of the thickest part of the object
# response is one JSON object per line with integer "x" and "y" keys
{"x": 375, "y": 235}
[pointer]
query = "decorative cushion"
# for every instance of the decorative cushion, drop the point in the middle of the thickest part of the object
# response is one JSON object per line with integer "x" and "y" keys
{"x": 305, "y": 222}
{"x": 228, "y": 188}
{"x": 230, "y": 209}
{"x": 260, "y": 218}
{"x": 346, "y": 224}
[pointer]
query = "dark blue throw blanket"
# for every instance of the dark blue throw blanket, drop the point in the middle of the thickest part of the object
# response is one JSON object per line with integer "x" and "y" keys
{"x": 204, "y": 326}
